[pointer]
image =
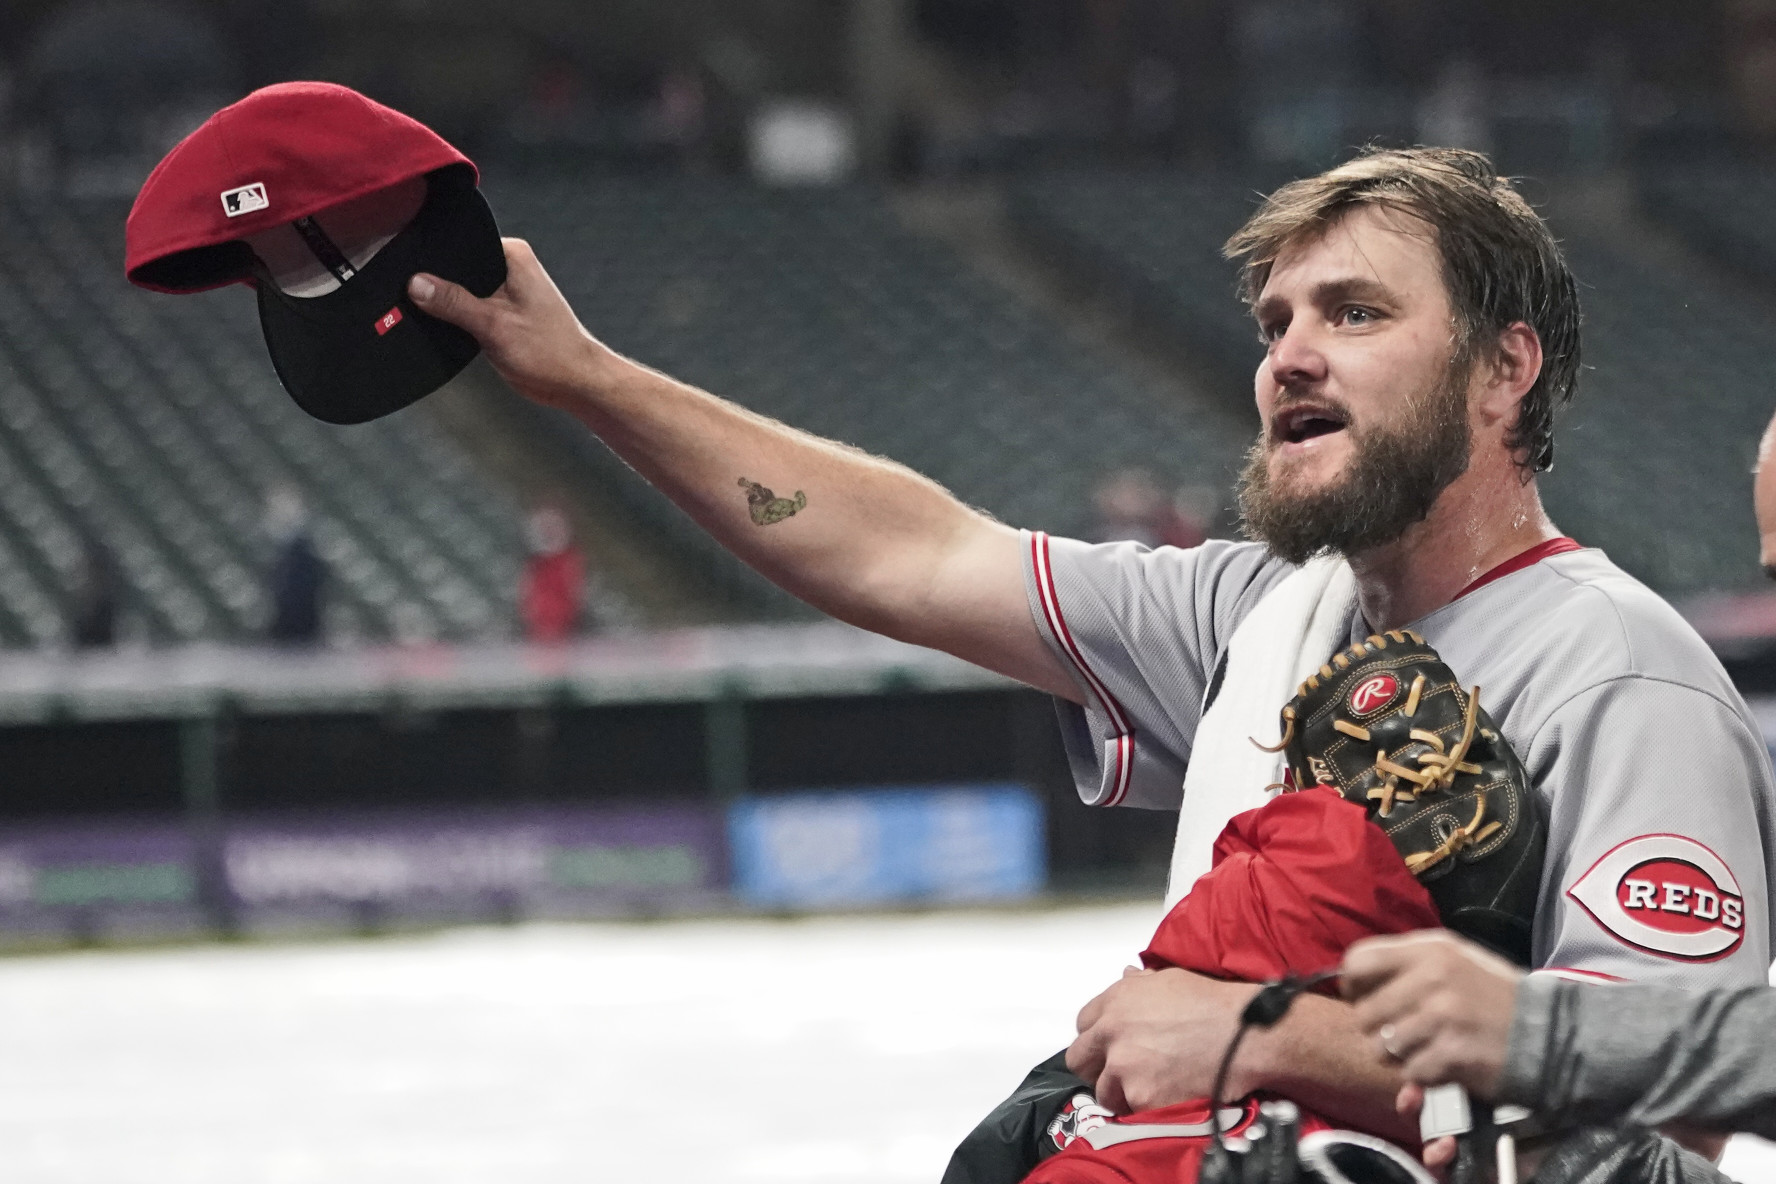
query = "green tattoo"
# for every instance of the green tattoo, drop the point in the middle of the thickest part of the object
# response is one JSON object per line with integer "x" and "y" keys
{"x": 766, "y": 507}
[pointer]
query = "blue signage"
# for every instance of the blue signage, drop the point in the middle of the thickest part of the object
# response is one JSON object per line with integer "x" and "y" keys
{"x": 816, "y": 850}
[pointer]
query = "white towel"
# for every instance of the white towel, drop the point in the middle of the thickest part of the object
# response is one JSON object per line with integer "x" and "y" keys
{"x": 1287, "y": 636}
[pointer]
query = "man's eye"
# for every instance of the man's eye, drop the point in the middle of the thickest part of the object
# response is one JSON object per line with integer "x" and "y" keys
{"x": 1358, "y": 316}
{"x": 1271, "y": 332}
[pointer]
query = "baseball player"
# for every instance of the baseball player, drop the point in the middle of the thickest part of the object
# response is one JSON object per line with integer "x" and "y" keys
{"x": 1409, "y": 813}
{"x": 1420, "y": 328}
{"x": 1636, "y": 1054}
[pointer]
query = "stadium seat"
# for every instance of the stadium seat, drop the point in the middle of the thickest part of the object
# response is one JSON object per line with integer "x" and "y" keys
{"x": 154, "y": 427}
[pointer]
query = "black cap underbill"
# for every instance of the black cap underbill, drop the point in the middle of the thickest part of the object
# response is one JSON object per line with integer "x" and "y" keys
{"x": 364, "y": 350}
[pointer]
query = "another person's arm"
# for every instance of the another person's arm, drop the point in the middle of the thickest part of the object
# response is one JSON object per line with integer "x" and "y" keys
{"x": 1652, "y": 1056}
{"x": 1614, "y": 1155}
{"x": 1573, "y": 1052}
{"x": 872, "y": 542}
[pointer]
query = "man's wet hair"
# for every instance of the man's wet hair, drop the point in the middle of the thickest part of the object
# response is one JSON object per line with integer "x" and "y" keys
{"x": 1500, "y": 262}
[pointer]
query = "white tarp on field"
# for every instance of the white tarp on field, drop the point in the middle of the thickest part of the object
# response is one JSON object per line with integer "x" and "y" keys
{"x": 835, "y": 1049}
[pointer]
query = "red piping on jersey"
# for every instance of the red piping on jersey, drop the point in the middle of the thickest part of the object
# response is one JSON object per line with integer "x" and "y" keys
{"x": 1574, "y": 974}
{"x": 1057, "y": 625}
{"x": 1523, "y": 559}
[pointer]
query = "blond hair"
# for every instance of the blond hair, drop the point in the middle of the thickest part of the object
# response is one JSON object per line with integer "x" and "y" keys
{"x": 1501, "y": 264}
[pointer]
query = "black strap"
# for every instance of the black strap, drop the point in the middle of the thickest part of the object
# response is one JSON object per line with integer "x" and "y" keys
{"x": 325, "y": 249}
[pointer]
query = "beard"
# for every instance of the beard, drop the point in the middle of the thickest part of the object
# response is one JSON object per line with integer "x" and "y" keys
{"x": 1394, "y": 477}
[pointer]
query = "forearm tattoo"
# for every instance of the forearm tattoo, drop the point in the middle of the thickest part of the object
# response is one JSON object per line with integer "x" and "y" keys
{"x": 766, "y": 507}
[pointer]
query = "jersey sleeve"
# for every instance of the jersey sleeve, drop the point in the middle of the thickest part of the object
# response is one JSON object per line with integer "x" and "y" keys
{"x": 1140, "y": 630}
{"x": 1660, "y": 797}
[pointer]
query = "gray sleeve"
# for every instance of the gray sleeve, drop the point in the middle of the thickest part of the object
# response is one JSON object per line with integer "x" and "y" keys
{"x": 1140, "y": 630}
{"x": 1615, "y": 1155}
{"x": 1645, "y": 1055}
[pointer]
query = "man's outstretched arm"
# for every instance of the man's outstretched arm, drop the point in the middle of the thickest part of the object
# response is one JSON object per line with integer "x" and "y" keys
{"x": 862, "y": 538}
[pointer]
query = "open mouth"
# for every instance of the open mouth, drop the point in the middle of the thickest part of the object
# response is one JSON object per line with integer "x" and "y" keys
{"x": 1304, "y": 421}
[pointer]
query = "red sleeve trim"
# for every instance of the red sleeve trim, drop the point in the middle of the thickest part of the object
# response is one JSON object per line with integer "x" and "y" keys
{"x": 1124, "y": 738}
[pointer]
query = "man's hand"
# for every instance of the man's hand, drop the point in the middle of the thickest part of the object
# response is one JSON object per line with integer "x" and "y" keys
{"x": 1156, "y": 1037}
{"x": 526, "y": 328}
{"x": 1439, "y": 1005}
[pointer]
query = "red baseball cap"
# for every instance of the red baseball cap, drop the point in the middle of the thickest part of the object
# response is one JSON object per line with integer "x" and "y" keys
{"x": 325, "y": 202}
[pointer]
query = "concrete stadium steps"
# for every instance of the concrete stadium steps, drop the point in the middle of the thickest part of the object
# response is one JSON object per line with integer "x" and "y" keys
{"x": 1152, "y": 238}
{"x": 1719, "y": 206}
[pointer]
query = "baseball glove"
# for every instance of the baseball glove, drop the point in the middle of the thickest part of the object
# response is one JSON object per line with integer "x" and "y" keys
{"x": 1387, "y": 723}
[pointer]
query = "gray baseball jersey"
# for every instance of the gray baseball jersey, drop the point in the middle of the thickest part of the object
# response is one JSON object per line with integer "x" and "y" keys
{"x": 1658, "y": 781}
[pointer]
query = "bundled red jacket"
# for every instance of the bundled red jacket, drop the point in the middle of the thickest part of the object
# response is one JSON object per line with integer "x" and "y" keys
{"x": 1292, "y": 885}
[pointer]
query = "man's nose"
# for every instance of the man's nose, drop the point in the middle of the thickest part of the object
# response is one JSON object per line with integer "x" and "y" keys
{"x": 1295, "y": 358}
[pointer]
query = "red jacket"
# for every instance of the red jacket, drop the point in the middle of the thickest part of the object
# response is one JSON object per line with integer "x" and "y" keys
{"x": 1293, "y": 884}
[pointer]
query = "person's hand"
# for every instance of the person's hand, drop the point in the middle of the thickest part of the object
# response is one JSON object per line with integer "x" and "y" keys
{"x": 526, "y": 327}
{"x": 1156, "y": 1037}
{"x": 1438, "y": 1005}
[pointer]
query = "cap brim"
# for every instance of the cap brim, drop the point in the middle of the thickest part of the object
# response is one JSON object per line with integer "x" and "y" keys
{"x": 363, "y": 350}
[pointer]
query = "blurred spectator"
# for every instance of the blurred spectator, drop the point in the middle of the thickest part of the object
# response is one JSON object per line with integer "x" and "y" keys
{"x": 297, "y": 574}
{"x": 554, "y": 577}
{"x": 1131, "y": 506}
{"x": 1194, "y": 509}
{"x": 94, "y": 598}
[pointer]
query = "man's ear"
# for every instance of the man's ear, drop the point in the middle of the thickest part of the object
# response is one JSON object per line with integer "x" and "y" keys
{"x": 1511, "y": 371}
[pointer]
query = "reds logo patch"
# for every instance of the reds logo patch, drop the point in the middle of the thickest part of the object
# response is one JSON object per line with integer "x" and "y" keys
{"x": 1373, "y": 693}
{"x": 1081, "y": 1113}
{"x": 1667, "y": 895}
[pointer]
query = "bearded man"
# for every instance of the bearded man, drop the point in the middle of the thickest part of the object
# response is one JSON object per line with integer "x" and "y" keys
{"x": 1420, "y": 328}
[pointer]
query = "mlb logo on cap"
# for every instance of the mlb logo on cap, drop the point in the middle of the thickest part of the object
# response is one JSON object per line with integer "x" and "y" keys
{"x": 244, "y": 200}
{"x": 365, "y": 197}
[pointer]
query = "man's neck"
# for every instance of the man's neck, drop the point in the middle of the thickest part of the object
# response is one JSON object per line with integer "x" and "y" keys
{"x": 1479, "y": 522}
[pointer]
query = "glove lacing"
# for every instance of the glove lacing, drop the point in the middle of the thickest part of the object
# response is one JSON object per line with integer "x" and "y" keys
{"x": 1439, "y": 770}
